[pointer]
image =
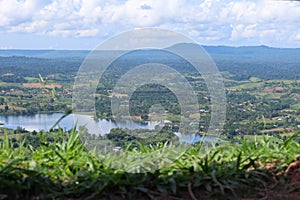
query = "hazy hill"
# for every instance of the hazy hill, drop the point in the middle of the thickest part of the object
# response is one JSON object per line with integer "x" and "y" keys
{"x": 244, "y": 62}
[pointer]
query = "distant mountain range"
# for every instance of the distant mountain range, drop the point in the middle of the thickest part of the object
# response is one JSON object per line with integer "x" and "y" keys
{"x": 244, "y": 51}
{"x": 243, "y": 62}
{"x": 45, "y": 53}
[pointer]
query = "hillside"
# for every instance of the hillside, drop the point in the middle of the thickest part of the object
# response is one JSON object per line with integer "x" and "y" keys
{"x": 260, "y": 61}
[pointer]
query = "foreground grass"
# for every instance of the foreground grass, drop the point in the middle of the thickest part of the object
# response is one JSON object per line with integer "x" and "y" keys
{"x": 65, "y": 169}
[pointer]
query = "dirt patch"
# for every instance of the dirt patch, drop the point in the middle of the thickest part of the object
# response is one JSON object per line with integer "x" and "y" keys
{"x": 16, "y": 108}
{"x": 275, "y": 89}
{"x": 280, "y": 129}
{"x": 39, "y": 85}
{"x": 287, "y": 183}
{"x": 120, "y": 95}
{"x": 137, "y": 118}
{"x": 11, "y": 107}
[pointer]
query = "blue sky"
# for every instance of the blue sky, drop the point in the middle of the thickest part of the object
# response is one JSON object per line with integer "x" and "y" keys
{"x": 83, "y": 24}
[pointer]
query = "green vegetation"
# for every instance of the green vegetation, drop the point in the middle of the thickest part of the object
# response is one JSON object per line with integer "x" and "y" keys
{"x": 259, "y": 103}
{"x": 63, "y": 168}
{"x": 258, "y": 158}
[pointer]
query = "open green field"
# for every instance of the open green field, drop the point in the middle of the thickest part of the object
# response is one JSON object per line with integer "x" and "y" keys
{"x": 296, "y": 106}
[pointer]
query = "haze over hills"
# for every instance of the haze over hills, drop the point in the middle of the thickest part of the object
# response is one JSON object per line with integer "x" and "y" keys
{"x": 243, "y": 62}
{"x": 251, "y": 51}
{"x": 45, "y": 53}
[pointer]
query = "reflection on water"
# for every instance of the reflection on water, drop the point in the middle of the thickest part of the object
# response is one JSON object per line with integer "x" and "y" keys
{"x": 44, "y": 122}
{"x": 193, "y": 138}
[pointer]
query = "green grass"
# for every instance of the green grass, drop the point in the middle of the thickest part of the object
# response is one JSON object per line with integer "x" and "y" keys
{"x": 248, "y": 85}
{"x": 31, "y": 79}
{"x": 295, "y": 106}
{"x": 255, "y": 79}
{"x": 65, "y": 169}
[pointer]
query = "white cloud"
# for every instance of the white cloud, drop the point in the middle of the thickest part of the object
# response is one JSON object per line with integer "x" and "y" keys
{"x": 242, "y": 31}
{"x": 297, "y": 36}
{"x": 15, "y": 12}
{"x": 207, "y": 21}
{"x": 87, "y": 32}
{"x": 145, "y": 7}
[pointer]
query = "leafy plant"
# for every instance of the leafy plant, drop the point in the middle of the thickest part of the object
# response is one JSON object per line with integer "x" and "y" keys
{"x": 63, "y": 168}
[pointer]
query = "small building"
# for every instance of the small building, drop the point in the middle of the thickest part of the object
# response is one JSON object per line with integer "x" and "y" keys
{"x": 116, "y": 149}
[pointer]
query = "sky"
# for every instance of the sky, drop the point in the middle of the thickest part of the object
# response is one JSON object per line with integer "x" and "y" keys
{"x": 84, "y": 24}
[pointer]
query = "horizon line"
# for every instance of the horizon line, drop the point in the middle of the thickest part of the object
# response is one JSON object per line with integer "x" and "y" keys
{"x": 45, "y": 49}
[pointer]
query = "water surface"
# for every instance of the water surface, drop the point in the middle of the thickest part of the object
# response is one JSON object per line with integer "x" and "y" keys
{"x": 44, "y": 122}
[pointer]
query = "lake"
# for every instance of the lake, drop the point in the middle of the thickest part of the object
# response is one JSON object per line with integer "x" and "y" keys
{"x": 44, "y": 122}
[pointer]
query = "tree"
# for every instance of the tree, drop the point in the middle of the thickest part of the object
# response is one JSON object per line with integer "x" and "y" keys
{"x": 1, "y": 100}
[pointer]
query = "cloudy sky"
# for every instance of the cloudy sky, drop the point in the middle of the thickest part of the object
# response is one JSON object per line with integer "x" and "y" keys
{"x": 83, "y": 24}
